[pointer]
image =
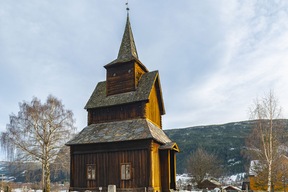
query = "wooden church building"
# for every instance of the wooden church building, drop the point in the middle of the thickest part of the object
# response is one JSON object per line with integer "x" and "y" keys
{"x": 124, "y": 144}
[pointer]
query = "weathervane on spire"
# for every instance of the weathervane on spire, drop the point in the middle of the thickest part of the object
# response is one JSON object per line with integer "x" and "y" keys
{"x": 127, "y": 7}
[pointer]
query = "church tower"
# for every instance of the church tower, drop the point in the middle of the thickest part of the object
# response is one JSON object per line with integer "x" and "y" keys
{"x": 130, "y": 90}
{"x": 123, "y": 143}
{"x": 129, "y": 68}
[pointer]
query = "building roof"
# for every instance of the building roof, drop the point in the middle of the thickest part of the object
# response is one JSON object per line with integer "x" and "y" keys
{"x": 209, "y": 183}
{"x": 142, "y": 93}
{"x": 231, "y": 187}
{"x": 171, "y": 145}
{"x": 127, "y": 130}
{"x": 212, "y": 181}
{"x": 127, "y": 51}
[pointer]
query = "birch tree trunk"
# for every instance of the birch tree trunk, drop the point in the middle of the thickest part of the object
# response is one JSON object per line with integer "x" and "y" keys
{"x": 265, "y": 140}
{"x": 269, "y": 184}
{"x": 47, "y": 186}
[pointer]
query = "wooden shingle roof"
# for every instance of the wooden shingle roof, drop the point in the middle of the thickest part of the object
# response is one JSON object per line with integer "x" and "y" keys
{"x": 127, "y": 51}
{"x": 100, "y": 99}
{"x": 127, "y": 130}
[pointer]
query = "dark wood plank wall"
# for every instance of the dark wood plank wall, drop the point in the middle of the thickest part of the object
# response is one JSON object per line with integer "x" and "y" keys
{"x": 108, "y": 169}
{"x": 72, "y": 167}
{"x": 173, "y": 169}
{"x": 108, "y": 161}
{"x": 165, "y": 171}
{"x": 120, "y": 78}
{"x": 152, "y": 110}
{"x": 116, "y": 113}
{"x": 111, "y": 146}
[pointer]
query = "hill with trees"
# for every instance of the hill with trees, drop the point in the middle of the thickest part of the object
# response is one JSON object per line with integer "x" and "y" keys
{"x": 226, "y": 141}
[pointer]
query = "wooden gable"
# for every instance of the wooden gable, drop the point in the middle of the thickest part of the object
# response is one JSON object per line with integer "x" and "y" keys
{"x": 155, "y": 107}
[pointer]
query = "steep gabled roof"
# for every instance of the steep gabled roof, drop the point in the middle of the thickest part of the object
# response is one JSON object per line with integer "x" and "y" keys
{"x": 128, "y": 47}
{"x": 100, "y": 99}
{"x": 231, "y": 188}
{"x": 171, "y": 146}
{"x": 118, "y": 131}
{"x": 127, "y": 51}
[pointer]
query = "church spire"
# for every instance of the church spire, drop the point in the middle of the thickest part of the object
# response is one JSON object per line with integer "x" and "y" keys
{"x": 127, "y": 49}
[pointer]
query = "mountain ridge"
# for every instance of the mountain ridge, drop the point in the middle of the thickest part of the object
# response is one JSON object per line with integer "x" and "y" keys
{"x": 226, "y": 141}
{"x": 207, "y": 125}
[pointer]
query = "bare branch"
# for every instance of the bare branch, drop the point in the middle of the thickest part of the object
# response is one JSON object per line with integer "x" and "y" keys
{"x": 266, "y": 139}
{"x": 37, "y": 133}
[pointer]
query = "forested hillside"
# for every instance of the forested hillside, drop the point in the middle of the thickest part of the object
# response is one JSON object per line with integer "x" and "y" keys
{"x": 226, "y": 141}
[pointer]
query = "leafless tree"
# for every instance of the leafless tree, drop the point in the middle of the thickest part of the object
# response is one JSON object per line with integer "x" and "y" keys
{"x": 61, "y": 164}
{"x": 266, "y": 140}
{"x": 202, "y": 165}
{"x": 37, "y": 134}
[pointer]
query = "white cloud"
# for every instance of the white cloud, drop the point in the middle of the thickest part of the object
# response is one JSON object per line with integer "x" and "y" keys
{"x": 213, "y": 58}
{"x": 253, "y": 63}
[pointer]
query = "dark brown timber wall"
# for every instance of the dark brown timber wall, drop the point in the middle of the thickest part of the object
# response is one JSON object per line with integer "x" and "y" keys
{"x": 116, "y": 113}
{"x": 107, "y": 160}
{"x": 120, "y": 78}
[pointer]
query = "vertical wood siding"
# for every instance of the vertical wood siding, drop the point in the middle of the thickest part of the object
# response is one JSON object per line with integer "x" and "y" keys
{"x": 108, "y": 168}
{"x": 120, "y": 78}
{"x": 152, "y": 108}
{"x": 155, "y": 167}
{"x": 165, "y": 171}
{"x": 138, "y": 73}
{"x": 115, "y": 113}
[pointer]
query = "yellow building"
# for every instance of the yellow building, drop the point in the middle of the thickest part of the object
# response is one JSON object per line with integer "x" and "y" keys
{"x": 258, "y": 181}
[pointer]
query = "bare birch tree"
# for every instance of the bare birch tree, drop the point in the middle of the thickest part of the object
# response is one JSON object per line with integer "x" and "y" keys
{"x": 61, "y": 164}
{"x": 202, "y": 165}
{"x": 37, "y": 134}
{"x": 265, "y": 141}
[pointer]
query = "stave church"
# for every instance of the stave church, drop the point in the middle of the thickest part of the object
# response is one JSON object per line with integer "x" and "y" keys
{"x": 123, "y": 144}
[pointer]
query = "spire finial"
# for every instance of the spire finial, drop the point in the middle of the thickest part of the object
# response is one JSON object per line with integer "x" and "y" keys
{"x": 127, "y": 51}
{"x": 127, "y": 7}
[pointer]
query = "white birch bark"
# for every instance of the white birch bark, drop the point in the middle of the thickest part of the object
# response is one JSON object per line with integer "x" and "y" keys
{"x": 266, "y": 111}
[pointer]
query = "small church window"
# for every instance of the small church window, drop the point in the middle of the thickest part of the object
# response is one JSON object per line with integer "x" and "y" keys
{"x": 91, "y": 172}
{"x": 125, "y": 171}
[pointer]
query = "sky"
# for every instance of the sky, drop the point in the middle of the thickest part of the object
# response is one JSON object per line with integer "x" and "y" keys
{"x": 214, "y": 57}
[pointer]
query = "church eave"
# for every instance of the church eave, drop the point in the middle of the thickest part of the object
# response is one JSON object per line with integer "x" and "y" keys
{"x": 121, "y": 61}
{"x": 127, "y": 130}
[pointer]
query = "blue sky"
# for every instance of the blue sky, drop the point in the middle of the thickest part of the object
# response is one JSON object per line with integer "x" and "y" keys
{"x": 214, "y": 57}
